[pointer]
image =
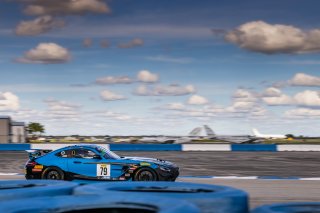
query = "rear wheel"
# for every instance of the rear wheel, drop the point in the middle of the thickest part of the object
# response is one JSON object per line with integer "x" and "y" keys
{"x": 53, "y": 173}
{"x": 145, "y": 174}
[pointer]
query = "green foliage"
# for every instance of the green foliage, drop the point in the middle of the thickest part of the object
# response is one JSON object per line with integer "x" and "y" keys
{"x": 35, "y": 128}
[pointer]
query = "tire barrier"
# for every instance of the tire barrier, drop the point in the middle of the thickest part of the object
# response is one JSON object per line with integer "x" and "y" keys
{"x": 17, "y": 189}
{"x": 303, "y": 207}
{"x": 209, "y": 198}
{"x": 110, "y": 203}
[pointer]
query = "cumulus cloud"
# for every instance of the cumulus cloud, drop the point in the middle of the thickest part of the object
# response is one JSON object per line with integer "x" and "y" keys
{"x": 107, "y": 95}
{"x": 241, "y": 107}
{"x": 9, "y": 101}
{"x": 258, "y": 112}
{"x": 62, "y": 110}
{"x": 308, "y": 98}
{"x": 259, "y": 36}
{"x": 273, "y": 96}
{"x": 54, "y": 104}
{"x": 302, "y": 79}
{"x": 65, "y": 7}
{"x": 302, "y": 113}
{"x": 243, "y": 95}
{"x": 46, "y": 53}
{"x": 147, "y": 77}
{"x": 278, "y": 100}
{"x": 197, "y": 100}
{"x": 168, "y": 59}
{"x": 113, "y": 115}
{"x": 136, "y": 42}
{"x": 87, "y": 42}
{"x": 175, "y": 106}
{"x": 272, "y": 92}
{"x": 114, "y": 80}
{"x": 245, "y": 103}
{"x": 38, "y": 26}
{"x": 162, "y": 90}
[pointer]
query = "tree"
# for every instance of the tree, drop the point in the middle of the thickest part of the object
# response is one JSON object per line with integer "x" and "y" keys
{"x": 290, "y": 136}
{"x": 35, "y": 128}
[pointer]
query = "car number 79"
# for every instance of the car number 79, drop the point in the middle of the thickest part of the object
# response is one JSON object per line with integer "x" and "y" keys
{"x": 103, "y": 170}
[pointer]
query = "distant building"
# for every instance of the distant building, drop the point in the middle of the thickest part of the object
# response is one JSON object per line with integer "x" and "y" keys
{"x": 11, "y": 131}
{"x": 5, "y": 129}
{"x": 18, "y": 132}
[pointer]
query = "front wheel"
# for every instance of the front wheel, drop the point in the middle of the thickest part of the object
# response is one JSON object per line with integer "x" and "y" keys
{"x": 53, "y": 173}
{"x": 145, "y": 174}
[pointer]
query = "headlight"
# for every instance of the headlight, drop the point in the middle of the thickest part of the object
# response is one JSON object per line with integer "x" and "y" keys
{"x": 165, "y": 169}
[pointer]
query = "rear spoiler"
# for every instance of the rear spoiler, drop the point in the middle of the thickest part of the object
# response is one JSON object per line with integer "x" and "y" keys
{"x": 35, "y": 153}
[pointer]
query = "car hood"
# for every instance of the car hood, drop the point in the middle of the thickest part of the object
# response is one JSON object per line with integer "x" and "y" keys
{"x": 151, "y": 160}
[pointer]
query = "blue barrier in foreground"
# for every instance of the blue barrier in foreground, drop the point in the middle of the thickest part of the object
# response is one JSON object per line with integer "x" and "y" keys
{"x": 209, "y": 198}
{"x": 21, "y": 189}
{"x": 176, "y": 147}
{"x": 98, "y": 203}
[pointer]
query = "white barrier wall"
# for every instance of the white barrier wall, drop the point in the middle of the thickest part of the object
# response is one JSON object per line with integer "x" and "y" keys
{"x": 298, "y": 148}
{"x": 206, "y": 147}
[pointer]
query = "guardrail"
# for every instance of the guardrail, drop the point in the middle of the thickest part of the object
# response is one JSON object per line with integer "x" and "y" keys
{"x": 175, "y": 147}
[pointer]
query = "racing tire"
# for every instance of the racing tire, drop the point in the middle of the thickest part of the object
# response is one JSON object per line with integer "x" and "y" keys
{"x": 53, "y": 173}
{"x": 145, "y": 174}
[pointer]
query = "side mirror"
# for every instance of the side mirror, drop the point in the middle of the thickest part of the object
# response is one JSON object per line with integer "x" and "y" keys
{"x": 96, "y": 157}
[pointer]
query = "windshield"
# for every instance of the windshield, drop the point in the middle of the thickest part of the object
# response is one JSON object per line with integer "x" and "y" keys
{"x": 107, "y": 153}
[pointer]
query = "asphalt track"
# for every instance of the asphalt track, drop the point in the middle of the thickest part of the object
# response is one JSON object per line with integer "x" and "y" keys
{"x": 280, "y": 164}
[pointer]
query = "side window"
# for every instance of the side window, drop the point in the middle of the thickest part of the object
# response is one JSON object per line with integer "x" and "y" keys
{"x": 84, "y": 153}
{"x": 66, "y": 153}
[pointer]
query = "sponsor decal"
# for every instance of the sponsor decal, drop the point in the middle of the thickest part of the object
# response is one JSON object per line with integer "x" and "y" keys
{"x": 145, "y": 164}
{"x": 103, "y": 170}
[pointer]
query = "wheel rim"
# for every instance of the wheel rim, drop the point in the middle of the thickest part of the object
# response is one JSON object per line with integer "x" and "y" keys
{"x": 146, "y": 176}
{"x": 53, "y": 175}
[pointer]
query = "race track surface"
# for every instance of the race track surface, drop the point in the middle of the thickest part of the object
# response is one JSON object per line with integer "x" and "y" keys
{"x": 270, "y": 191}
{"x": 281, "y": 164}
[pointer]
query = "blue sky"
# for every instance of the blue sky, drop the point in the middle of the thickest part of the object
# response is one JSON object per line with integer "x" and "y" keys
{"x": 229, "y": 64}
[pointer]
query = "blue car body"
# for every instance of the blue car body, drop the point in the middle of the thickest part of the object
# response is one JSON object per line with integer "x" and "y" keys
{"x": 92, "y": 162}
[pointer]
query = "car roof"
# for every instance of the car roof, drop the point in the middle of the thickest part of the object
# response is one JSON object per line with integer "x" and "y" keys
{"x": 93, "y": 146}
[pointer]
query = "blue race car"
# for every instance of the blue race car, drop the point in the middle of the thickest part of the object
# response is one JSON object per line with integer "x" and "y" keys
{"x": 92, "y": 162}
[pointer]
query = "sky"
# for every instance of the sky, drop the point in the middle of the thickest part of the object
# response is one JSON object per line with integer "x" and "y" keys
{"x": 150, "y": 67}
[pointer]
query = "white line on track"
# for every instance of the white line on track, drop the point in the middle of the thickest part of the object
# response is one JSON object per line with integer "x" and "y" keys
{"x": 9, "y": 174}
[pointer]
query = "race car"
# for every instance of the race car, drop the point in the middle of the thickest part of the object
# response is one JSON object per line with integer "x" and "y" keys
{"x": 93, "y": 162}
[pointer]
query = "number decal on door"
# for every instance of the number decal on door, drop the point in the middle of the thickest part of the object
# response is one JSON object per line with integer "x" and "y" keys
{"x": 103, "y": 170}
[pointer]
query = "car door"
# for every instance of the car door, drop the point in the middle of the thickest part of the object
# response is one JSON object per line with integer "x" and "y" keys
{"x": 83, "y": 164}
